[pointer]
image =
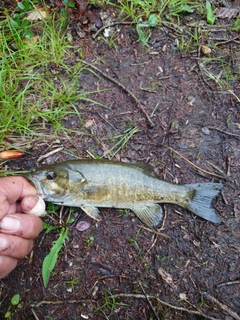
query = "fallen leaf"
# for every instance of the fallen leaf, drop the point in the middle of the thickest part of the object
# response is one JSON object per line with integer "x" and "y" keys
{"x": 206, "y": 51}
{"x": 82, "y": 226}
{"x": 37, "y": 14}
{"x": 166, "y": 277}
{"x": 89, "y": 123}
{"x": 227, "y": 13}
{"x": 31, "y": 41}
{"x": 11, "y": 154}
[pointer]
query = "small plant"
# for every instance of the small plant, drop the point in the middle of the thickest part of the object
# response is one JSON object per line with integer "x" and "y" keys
{"x": 123, "y": 212}
{"x": 110, "y": 302}
{"x": 89, "y": 240}
{"x": 202, "y": 302}
{"x": 161, "y": 260}
{"x": 18, "y": 25}
{"x": 110, "y": 41}
{"x": 236, "y": 26}
{"x": 72, "y": 283}
{"x": 15, "y": 302}
{"x": 135, "y": 243}
{"x": 64, "y": 11}
{"x": 144, "y": 36}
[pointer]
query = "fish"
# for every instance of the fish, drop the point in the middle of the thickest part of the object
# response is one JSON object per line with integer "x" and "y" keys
{"x": 93, "y": 184}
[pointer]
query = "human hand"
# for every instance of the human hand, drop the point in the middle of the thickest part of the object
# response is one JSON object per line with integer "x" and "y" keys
{"x": 17, "y": 230}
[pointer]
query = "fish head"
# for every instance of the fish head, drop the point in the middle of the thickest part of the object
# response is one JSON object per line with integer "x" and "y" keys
{"x": 50, "y": 182}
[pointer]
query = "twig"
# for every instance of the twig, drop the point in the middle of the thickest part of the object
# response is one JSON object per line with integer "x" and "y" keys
{"x": 141, "y": 296}
{"x": 225, "y": 132}
{"x": 156, "y": 232}
{"x": 229, "y": 283}
{"x": 230, "y": 91}
{"x": 192, "y": 164}
{"x": 49, "y": 154}
{"x": 112, "y": 25}
{"x": 138, "y": 102}
{"x": 149, "y": 301}
{"x": 227, "y": 41}
{"x": 34, "y": 314}
{"x": 222, "y": 306}
{"x": 40, "y": 303}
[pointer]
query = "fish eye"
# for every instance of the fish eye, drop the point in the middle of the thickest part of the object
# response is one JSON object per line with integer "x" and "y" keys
{"x": 51, "y": 175}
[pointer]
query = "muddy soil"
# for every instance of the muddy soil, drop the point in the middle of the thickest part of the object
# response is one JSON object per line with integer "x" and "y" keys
{"x": 116, "y": 269}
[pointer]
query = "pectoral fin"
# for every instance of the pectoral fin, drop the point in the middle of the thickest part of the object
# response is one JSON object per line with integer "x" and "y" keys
{"x": 150, "y": 215}
{"x": 93, "y": 212}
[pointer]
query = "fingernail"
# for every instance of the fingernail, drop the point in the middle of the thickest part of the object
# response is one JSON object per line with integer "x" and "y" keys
{"x": 10, "y": 224}
{"x": 39, "y": 208}
{"x": 3, "y": 243}
{"x": 31, "y": 201}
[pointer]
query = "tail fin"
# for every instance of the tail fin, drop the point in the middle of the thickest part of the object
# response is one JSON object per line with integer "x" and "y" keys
{"x": 201, "y": 203}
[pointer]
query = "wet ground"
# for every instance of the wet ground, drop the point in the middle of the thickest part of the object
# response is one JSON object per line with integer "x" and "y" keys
{"x": 185, "y": 122}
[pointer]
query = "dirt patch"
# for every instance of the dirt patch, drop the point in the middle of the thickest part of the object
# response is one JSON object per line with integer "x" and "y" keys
{"x": 126, "y": 271}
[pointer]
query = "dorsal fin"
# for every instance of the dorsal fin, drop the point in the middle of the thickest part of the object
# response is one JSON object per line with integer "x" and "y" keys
{"x": 148, "y": 168}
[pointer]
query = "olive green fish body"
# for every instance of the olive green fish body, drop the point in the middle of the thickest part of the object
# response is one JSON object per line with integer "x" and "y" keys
{"x": 97, "y": 183}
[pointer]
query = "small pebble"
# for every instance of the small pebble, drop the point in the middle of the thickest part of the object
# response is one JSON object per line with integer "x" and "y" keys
{"x": 206, "y": 131}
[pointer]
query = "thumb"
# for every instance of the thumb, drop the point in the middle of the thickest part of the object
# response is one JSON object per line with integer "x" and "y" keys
{"x": 33, "y": 204}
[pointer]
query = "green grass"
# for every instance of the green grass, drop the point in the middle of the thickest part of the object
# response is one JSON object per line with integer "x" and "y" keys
{"x": 147, "y": 14}
{"x": 110, "y": 303}
{"x": 121, "y": 140}
{"x": 39, "y": 86}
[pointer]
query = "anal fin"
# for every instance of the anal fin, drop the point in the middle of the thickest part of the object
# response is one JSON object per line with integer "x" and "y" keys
{"x": 93, "y": 212}
{"x": 151, "y": 215}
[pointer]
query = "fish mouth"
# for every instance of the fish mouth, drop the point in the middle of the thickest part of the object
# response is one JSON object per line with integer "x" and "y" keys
{"x": 35, "y": 183}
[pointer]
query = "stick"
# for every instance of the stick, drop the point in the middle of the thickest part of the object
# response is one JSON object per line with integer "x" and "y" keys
{"x": 149, "y": 301}
{"x": 227, "y": 41}
{"x": 194, "y": 165}
{"x": 224, "y": 307}
{"x": 138, "y": 102}
{"x": 141, "y": 296}
{"x": 49, "y": 154}
{"x": 225, "y": 132}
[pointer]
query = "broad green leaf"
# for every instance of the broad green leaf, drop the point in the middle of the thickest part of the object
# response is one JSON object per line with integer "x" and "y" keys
{"x": 71, "y": 4}
{"x": 15, "y": 299}
{"x": 24, "y": 23}
{"x": 51, "y": 259}
{"x": 153, "y": 20}
{"x": 14, "y": 23}
{"x": 7, "y": 314}
{"x": 210, "y": 15}
{"x": 20, "y": 5}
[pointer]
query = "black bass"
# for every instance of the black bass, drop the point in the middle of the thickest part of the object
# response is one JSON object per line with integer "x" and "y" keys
{"x": 89, "y": 184}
